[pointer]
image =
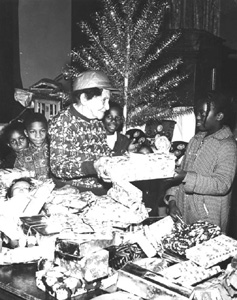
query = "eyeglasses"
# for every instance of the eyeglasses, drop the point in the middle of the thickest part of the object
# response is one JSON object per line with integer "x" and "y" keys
{"x": 116, "y": 119}
{"x": 15, "y": 142}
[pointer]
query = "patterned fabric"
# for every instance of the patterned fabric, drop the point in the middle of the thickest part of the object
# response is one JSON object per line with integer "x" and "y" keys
{"x": 35, "y": 159}
{"x": 211, "y": 165}
{"x": 75, "y": 143}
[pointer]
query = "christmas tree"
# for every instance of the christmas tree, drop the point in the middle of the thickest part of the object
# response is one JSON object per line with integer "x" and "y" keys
{"x": 126, "y": 40}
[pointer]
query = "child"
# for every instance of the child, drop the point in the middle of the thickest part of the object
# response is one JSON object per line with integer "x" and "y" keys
{"x": 14, "y": 137}
{"x": 113, "y": 120}
{"x": 36, "y": 156}
{"x": 20, "y": 186}
{"x": 204, "y": 180}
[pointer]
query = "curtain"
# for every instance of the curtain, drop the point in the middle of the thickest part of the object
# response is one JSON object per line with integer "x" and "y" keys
{"x": 195, "y": 14}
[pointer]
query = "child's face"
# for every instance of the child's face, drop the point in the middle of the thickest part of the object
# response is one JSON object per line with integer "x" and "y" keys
{"x": 112, "y": 121}
{"x": 207, "y": 120}
{"x": 20, "y": 188}
{"x": 18, "y": 141}
{"x": 37, "y": 133}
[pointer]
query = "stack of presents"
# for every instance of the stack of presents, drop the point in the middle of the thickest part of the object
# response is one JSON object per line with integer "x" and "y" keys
{"x": 82, "y": 242}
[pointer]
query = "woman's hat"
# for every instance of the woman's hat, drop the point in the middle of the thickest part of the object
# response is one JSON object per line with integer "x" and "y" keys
{"x": 92, "y": 79}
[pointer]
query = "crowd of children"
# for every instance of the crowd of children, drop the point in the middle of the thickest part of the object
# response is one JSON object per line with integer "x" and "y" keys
{"x": 28, "y": 145}
{"x": 28, "y": 141}
{"x": 71, "y": 147}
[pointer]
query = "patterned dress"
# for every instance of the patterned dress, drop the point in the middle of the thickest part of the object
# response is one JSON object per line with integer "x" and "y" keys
{"x": 210, "y": 163}
{"x": 75, "y": 143}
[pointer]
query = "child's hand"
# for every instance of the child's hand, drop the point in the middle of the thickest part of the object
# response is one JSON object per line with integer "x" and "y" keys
{"x": 179, "y": 175}
{"x": 174, "y": 210}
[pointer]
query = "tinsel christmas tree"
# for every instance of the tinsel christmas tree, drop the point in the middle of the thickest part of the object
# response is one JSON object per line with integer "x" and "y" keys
{"x": 126, "y": 40}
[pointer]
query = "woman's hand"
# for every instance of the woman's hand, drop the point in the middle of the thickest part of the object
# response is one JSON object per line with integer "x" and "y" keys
{"x": 99, "y": 167}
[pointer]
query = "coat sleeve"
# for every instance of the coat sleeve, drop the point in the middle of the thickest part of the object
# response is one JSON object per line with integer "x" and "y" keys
{"x": 220, "y": 180}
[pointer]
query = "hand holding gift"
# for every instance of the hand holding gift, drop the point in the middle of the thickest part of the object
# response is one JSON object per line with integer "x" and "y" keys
{"x": 99, "y": 166}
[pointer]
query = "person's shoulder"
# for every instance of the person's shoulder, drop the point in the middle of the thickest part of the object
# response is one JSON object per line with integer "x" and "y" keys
{"x": 225, "y": 134}
{"x": 62, "y": 116}
{"x": 63, "y": 112}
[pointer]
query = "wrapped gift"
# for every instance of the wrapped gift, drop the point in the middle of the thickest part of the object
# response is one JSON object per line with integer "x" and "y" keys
{"x": 23, "y": 255}
{"x": 96, "y": 265}
{"x": 45, "y": 230}
{"x": 75, "y": 255}
{"x": 187, "y": 273}
{"x": 139, "y": 167}
{"x": 148, "y": 285}
{"x": 8, "y": 175}
{"x": 122, "y": 254}
{"x": 59, "y": 284}
{"x": 213, "y": 251}
{"x": 125, "y": 193}
{"x": 185, "y": 236}
{"x": 106, "y": 209}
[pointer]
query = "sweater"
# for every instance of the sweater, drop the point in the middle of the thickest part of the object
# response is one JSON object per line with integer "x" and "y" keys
{"x": 75, "y": 143}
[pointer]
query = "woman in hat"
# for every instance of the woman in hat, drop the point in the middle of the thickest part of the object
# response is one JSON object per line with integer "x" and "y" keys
{"x": 77, "y": 134}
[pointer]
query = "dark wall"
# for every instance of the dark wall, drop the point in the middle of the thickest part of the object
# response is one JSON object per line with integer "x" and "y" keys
{"x": 45, "y": 38}
{"x": 35, "y": 38}
{"x": 9, "y": 58}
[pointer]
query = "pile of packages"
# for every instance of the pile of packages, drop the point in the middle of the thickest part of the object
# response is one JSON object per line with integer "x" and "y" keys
{"x": 133, "y": 261}
{"x": 84, "y": 242}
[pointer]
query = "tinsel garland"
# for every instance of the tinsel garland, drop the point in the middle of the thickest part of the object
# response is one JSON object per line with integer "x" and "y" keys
{"x": 126, "y": 41}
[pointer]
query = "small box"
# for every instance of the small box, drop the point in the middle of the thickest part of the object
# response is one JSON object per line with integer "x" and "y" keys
{"x": 40, "y": 227}
{"x": 73, "y": 255}
{"x": 96, "y": 265}
{"x": 145, "y": 284}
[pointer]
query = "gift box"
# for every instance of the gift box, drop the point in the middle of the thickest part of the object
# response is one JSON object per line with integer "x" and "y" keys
{"x": 59, "y": 284}
{"x": 42, "y": 228}
{"x": 148, "y": 285}
{"x": 122, "y": 254}
{"x": 213, "y": 251}
{"x": 185, "y": 236}
{"x": 140, "y": 167}
{"x": 108, "y": 210}
{"x": 96, "y": 265}
{"x": 187, "y": 273}
{"x": 126, "y": 193}
{"x": 84, "y": 257}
